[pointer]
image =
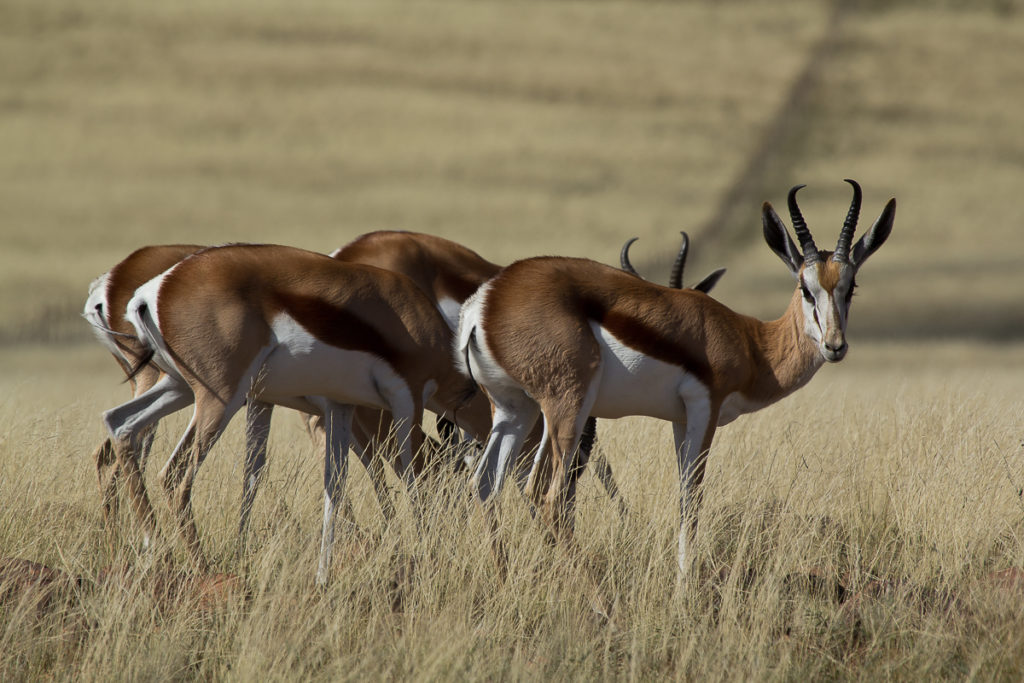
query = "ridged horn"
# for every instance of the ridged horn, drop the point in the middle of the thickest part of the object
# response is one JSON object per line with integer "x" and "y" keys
{"x": 675, "y": 280}
{"x": 842, "y": 254}
{"x": 803, "y": 235}
{"x": 624, "y": 257}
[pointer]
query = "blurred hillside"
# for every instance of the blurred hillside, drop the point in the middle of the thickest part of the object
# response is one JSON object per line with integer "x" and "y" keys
{"x": 519, "y": 128}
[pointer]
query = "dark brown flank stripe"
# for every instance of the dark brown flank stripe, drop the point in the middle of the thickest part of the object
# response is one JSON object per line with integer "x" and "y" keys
{"x": 647, "y": 340}
{"x": 337, "y": 326}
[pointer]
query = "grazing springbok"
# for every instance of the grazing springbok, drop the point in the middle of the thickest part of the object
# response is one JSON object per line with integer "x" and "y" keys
{"x": 265, "y": 324}
{"x": 104, "y": 309}
{"x": 568, "y": 338}
{"x": 446, "y": 271}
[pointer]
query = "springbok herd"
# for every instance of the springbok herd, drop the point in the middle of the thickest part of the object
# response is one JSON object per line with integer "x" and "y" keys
{"x": 366, "y": 338}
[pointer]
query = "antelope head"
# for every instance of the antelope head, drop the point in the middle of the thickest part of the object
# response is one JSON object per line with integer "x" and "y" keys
{"x": 826, "y": 280}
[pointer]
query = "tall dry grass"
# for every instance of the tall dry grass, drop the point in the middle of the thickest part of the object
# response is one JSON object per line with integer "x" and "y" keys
{"x": 850, "y": 531}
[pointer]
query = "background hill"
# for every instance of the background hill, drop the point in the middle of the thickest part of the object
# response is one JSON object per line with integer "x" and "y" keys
{"x": 560, "y": 128}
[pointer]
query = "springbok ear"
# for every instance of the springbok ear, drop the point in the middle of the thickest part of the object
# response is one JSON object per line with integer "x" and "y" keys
{"x": 708, "y": 283}
{"x": 875, "y": 237}
{"x": 778, "y": 239}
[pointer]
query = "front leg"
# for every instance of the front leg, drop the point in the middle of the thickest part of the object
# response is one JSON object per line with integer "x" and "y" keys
{"x": 338, "y": 427}
{"x": 693, "y": 442}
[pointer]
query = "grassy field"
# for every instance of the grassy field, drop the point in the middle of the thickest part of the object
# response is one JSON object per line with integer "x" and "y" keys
{"x": 852, "y": 531}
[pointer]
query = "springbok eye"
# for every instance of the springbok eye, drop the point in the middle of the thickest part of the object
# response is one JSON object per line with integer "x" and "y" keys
{"x": 807, "y": 293}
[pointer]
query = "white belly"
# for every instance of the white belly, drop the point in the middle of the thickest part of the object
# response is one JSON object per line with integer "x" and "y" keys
{"x": 301, "y": 365}
{"x": 631, "y": 383}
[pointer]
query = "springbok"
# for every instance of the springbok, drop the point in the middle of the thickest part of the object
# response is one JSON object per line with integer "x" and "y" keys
{"x": 105, "y": 310}
{"x": 446, "y": 271}
{"x": 277, "y": 325}
{"x": 568, "y": 338}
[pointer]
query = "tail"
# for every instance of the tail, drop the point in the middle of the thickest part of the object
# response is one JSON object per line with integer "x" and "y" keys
{"x": 141, "y": 315}
{"x": 465, "y": 338}
{"x": 138, "y": 315}
{"x": 145, "y": 360}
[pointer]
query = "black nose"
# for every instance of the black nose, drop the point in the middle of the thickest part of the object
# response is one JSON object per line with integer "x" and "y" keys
{"x": 836, "y": 350}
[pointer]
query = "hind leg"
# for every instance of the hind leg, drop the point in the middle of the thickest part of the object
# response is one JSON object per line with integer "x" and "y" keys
{"x": 369, "y": 435}
{"x": 338, "y": 427}
{"x": 565, "y": 426}
{"x": 257, "y": 432}
{"x": 105, "y": 455}
{"x": 515, "y": 414}
{"x": 128, "y": 425}
{"x": 210, "y": 419}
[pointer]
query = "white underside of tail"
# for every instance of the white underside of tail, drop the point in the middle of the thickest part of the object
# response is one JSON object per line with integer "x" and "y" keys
{"x": 142, "y": 314}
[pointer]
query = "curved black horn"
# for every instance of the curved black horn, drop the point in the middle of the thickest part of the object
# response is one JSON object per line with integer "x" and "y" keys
{"x": 675, "y": 280}
{"x": 624, "y": 257}
{"x": 803, "y": 235}
{"x": 846, "y": 234}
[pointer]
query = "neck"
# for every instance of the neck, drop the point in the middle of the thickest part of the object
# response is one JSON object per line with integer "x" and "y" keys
{"x": 789, "y": 359}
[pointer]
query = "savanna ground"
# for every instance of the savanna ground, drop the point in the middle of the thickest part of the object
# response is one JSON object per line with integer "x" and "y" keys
{"x": 851, "y": 531}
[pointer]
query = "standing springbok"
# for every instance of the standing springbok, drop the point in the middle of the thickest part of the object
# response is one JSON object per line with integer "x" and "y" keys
{"x": 276, "y": 325}
{"x": 568, "y": 338}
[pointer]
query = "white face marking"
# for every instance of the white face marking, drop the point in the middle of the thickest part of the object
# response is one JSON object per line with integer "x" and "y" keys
{"x": 825, "y": 312}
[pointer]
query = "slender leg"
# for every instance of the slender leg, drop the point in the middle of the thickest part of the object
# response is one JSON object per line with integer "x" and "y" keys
{"x": 513, "y": 419}
{"x": 127, "y": 425}
{"x": 578, "y": 463}
{"x": 533, "y": 480}
{"x": 565, "y": 430}
{"x": 369, "y": 445}
{"x": 107, "y": 472}
{"x": 105, "y": 456}
{"x": 257, "y": 431}
{"x": 210, "y": 419}
{"x": 693, "y": 442}
{"x": 603, "y": 471}
{"x": 566, "y": 427}
{"x": 338, "y": 426}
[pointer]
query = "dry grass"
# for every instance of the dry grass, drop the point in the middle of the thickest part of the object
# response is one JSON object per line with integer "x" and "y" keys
{"x": 850, "y": 531}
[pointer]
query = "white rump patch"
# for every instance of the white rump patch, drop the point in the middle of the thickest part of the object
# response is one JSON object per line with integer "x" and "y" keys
{"x": 97, "y": 312}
